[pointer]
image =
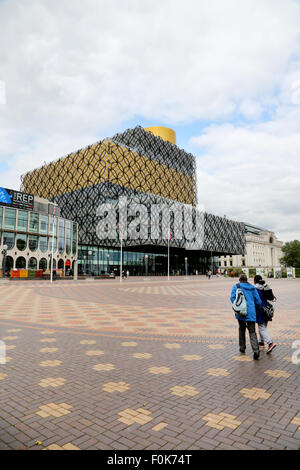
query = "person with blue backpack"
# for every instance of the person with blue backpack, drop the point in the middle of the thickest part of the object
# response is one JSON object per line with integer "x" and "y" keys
{"x": 245, "y": 300}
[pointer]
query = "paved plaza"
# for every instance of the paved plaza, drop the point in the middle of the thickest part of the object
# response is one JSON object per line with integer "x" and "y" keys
{"x": 143, "y": 364}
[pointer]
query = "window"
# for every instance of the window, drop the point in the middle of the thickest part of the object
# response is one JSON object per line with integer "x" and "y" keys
{"x": 21, "y": 241}
{"x": 32, "y": 264}
{"x": 230, "y": 263}
{"x": 10, "y": 219}
{"x": 22, "y": 221}
{"x": 1, "y": 212}
{"x": 54, "y": 244}
{"x": 74, "y": 239}
{"x": 43, "y": 244}
{"x": 9, "y": 240}
{"x": 33, "y": 242}
{"x": 225, "y": 263}
{"x": 34, "y": 222}
{"x": 60, "y": 264}
{"x": 61, "y": 235}
{"x": 44, "y": 224}
{"x": 21, "y": 263}
{"x": 68, "y": 237}
{"x": 43, "y": 264}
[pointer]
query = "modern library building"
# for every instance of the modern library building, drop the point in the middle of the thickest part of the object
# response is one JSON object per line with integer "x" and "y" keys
{"x": 148, "y": 170}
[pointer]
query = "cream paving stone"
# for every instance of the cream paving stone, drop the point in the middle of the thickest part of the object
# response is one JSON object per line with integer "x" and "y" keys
{"x": 48, "y": 350}
{"x": 111, "y": 387}
{"x": 159, "y": 370}
{"x": 14, "y": 330}
{"x": 47, "y": 332}
{"x": 277, "y": 373}
{"x": 191, "y": 357}
{"x": 288, "y": 359}
{"x": 221, "y": 421}
{"x": 9, "y": 347}
{"x": 182, "y": 391}
{"x": 296, "y": 421}
{"x": 53, "y": 409}
{"x": 2, "y": 376}
{"x": 255, "y": 393}
{"x": 218, "y": 372}
{"x": 216, "y": 346}
{"x": 87, "y": 341}
{"x": 242, "y": 358}
{"x": 159, "y": 427}
{"x": 95, "y": 352}
{"x": 140, "y": 416}
{"x": 50, "y": 363}
{"x": 104, "y": 367}
{"x": 129, "y": 344}
{"x": 52, "y": 382}
{"x": 68, "y": 446}
{"x": 48, "y": 340}
{"x": 172, "y": 346}
{"x": 142, "y": 355}
{"x": 9, "y": 338}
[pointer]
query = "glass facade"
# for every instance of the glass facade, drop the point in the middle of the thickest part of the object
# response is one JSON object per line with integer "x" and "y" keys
{"x": 22, "y": 221}
{"x": 10, "y": 219}
{"x": 21, "y": 241}
{"x": 34, "y": 222}
{"x": 32, "y": 232}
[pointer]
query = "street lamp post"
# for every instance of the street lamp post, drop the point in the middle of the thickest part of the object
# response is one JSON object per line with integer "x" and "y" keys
{"x": 89, "y": 262}
{"x": 107, "y": 256}
{"x": 146, "y": 263}
{"x": 84, "y": 257}
{"x": 186, "y": 266}
{"x": 5, "y": 247}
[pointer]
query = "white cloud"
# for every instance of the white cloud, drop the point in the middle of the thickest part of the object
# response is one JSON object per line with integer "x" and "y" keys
{"x": 252, "y": 174}
{"x": 75, "y": 71}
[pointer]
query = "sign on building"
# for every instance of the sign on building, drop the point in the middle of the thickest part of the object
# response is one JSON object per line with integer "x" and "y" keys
{"x": 10, "y": 197}
{"x": 291, "y": 273}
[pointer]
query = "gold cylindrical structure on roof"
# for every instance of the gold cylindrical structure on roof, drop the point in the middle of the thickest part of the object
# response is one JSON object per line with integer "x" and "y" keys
{"x": 164, "y": 132}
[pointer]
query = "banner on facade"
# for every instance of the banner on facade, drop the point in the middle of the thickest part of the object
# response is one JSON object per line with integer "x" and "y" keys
{"x": 277, "y": 273}
{"x": 260, "y": 272}
{"x": 291, "y": 273}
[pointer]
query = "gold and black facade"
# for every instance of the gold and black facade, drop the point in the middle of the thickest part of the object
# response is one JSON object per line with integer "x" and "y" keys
{"x": 138, "y": 165}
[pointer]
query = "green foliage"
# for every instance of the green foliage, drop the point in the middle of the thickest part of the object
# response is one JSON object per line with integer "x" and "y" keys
{"x": 297, "y": 271}
{"x": 291, "y": 252}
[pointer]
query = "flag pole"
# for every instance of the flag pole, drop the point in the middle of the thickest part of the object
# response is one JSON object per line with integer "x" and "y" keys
{"x": 52, "y": 251}
{"x": 169, "y": 257}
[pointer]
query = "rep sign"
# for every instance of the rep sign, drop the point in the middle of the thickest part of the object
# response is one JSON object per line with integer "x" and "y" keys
{"x": 13, "y": 198}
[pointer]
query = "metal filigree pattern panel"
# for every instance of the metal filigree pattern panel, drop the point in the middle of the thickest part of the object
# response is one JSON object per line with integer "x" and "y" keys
{"x": 143, "y": 168}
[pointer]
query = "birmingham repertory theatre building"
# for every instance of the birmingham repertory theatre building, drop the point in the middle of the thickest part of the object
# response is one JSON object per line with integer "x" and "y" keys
{"x": 150, "y": 174}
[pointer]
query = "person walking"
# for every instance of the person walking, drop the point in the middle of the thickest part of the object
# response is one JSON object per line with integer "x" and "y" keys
{"x": 248, "y": 319}
{"x": 261, "y": 320}
{"x": 209, "y": 274}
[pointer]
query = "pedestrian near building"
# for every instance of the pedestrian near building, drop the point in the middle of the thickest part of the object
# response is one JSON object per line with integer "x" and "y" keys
{"x": 262, "y": 321}
{"x": 247, "y": 320}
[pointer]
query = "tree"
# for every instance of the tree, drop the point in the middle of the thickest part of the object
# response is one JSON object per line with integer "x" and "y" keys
{"x": 291, "y": 256}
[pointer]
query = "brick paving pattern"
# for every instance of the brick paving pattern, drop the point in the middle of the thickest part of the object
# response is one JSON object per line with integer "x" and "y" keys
{"x": 145, "y": 364}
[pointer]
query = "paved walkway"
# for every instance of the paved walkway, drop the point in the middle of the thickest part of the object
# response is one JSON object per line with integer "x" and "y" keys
{"x": 143, "y": 364}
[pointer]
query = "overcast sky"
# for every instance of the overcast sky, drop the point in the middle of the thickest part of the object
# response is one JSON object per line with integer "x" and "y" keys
{"x": 225, "y": 75}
